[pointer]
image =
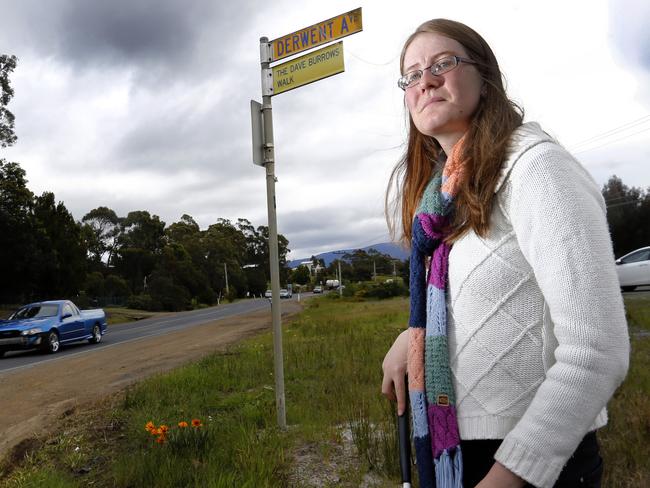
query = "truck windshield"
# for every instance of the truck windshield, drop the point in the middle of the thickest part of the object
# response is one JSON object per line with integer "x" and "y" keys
{"x": 36, "y": 311}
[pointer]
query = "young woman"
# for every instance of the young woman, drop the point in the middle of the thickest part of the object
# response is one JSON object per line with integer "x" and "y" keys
{"x": 517, "y": 335}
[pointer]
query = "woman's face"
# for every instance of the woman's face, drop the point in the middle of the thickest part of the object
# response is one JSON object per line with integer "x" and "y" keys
{"x": 441, "y": 106}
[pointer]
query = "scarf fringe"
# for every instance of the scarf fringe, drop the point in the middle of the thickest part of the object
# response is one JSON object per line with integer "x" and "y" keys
{"x": 449, "y": 469}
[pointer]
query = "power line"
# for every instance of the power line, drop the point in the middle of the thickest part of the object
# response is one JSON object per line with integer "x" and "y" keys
{"x": 615, "y": 130}
{"x": 612, "y": 142}
{"x": 370, "y": 62}
{"x": 612, "y": 200}
{"x": 623, "y": 203}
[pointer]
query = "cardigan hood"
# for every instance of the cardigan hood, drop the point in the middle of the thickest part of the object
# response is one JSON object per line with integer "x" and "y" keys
{"x": 524, "y": 138}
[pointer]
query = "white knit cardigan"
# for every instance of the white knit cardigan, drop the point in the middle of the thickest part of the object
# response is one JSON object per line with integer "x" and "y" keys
{"x": 537, "y": 333}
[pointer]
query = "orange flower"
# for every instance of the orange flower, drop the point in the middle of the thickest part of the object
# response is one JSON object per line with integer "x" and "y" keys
{"x": 196, "y": 423}
{"x": 182, "y": 424}
{"x": 163, "y": 429}
{"x": 149, "y": 426}
{"x": 160, "y": 439}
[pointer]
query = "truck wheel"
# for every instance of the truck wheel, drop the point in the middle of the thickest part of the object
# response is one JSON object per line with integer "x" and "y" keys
{"x": 97, "y": 335}
{"x": 52, "y": 343}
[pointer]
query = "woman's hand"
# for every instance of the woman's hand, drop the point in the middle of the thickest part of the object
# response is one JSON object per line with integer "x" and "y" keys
{"x": 501, "y": 477}
{"x": 394, "y": 367}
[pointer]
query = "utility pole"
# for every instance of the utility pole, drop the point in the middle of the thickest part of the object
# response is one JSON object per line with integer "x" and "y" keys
{"x": 374, "y": 271}
{"x": 225, "y": 269}
{"x": 340, "y": 280}
{"x": 394, "y": 270}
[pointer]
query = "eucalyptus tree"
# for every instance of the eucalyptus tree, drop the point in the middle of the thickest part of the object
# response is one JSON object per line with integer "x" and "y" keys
{"x": 16, "y": 236}
{"x": 7, "y": 134}
{"x": 58, "y": 264}
{"x": 138, "y": 247}
{"x": 628, "y": 215}
{"x": 101, "y": 228}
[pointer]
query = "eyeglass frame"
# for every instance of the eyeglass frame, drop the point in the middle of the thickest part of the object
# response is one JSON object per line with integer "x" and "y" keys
{"x": 457, "y": 60}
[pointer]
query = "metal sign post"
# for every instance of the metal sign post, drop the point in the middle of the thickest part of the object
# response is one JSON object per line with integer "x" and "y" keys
{"x": 291, "y": 74}
{"x": 269, "y": 164}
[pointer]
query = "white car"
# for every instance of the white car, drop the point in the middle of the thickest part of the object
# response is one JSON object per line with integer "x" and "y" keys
{"x": 285, "y": 293}
{"x": 634, "y": 269}
{"x": 268, "y": 294}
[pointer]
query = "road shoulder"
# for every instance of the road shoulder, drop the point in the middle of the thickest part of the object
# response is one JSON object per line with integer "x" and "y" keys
{"x": 41, "y": 394}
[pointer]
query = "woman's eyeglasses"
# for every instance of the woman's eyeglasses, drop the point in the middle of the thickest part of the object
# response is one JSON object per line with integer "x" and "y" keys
{"x": 440, "y": 67}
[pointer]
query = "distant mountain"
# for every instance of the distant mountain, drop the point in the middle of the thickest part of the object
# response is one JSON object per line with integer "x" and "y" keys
{"x": 393, "y": 250}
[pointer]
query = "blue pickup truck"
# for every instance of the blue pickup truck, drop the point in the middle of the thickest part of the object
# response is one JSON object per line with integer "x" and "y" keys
{"x": 48, "y": 325}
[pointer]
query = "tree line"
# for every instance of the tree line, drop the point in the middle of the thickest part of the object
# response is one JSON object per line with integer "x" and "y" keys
{"x": 135, "y": 258}
{"x": 356, "y": 265}
{"x": 628, "y": 215}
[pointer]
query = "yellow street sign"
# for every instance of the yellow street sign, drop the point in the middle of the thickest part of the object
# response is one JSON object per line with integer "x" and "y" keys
{"x": 306, "y": 69}
{"x": 317, "y": 34}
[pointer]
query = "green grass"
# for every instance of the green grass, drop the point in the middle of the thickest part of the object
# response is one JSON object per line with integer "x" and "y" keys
{"x": 333, "y": 355}
{"x": 624, "y": 440}
{"x": 637, "y": 308}
{"x": 120, "y": 315}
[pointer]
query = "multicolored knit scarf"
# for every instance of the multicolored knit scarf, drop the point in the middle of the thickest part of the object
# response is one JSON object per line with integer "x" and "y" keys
{"x": 431, "y": 392}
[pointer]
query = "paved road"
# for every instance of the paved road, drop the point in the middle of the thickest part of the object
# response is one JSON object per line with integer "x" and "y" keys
{"x": 133, "y": 331}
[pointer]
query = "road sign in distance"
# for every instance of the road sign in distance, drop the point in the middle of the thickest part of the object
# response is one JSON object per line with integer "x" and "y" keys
{"x": 306, "y": 69}
{"x": 257, "y": 126}
{"x": 317, "y": 34}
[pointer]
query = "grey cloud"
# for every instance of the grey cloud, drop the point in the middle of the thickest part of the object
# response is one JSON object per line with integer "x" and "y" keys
{"x": 193, "y": 125}
{"x": 163, "y": 40}
{"x": 148, "y": 31}
{"x": 629, "y": 20}
{"x": 205, "y": 200}
{"x": 327, "y": 228}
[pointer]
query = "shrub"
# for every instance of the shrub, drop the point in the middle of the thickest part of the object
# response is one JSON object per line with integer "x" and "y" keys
{"x": 388, "y": 289}
{"x": 116, "y": 286}
{"x": 351, "y": 289}
{"x": 231, "y": 295}
{"x": 143, "y": 302}
{"x": 94, "y": 285}
{"x": 82, "y": 301}
{"x": 172, "y": 297}
{"x": 206, "y": 296}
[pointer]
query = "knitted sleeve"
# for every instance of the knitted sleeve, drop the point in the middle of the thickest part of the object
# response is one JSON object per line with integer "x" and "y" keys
{"x": 558, "y": 216}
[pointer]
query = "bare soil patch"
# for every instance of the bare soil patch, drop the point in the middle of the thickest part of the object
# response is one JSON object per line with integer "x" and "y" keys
{"x": 34, "y": 398}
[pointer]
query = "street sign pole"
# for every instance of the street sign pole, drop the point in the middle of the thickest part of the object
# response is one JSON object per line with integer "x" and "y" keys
{"x": 327, "y": 61}
{"x": 269, "y": 164}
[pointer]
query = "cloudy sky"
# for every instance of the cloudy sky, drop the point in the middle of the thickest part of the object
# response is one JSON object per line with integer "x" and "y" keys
{"x": 145, "y": 104}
